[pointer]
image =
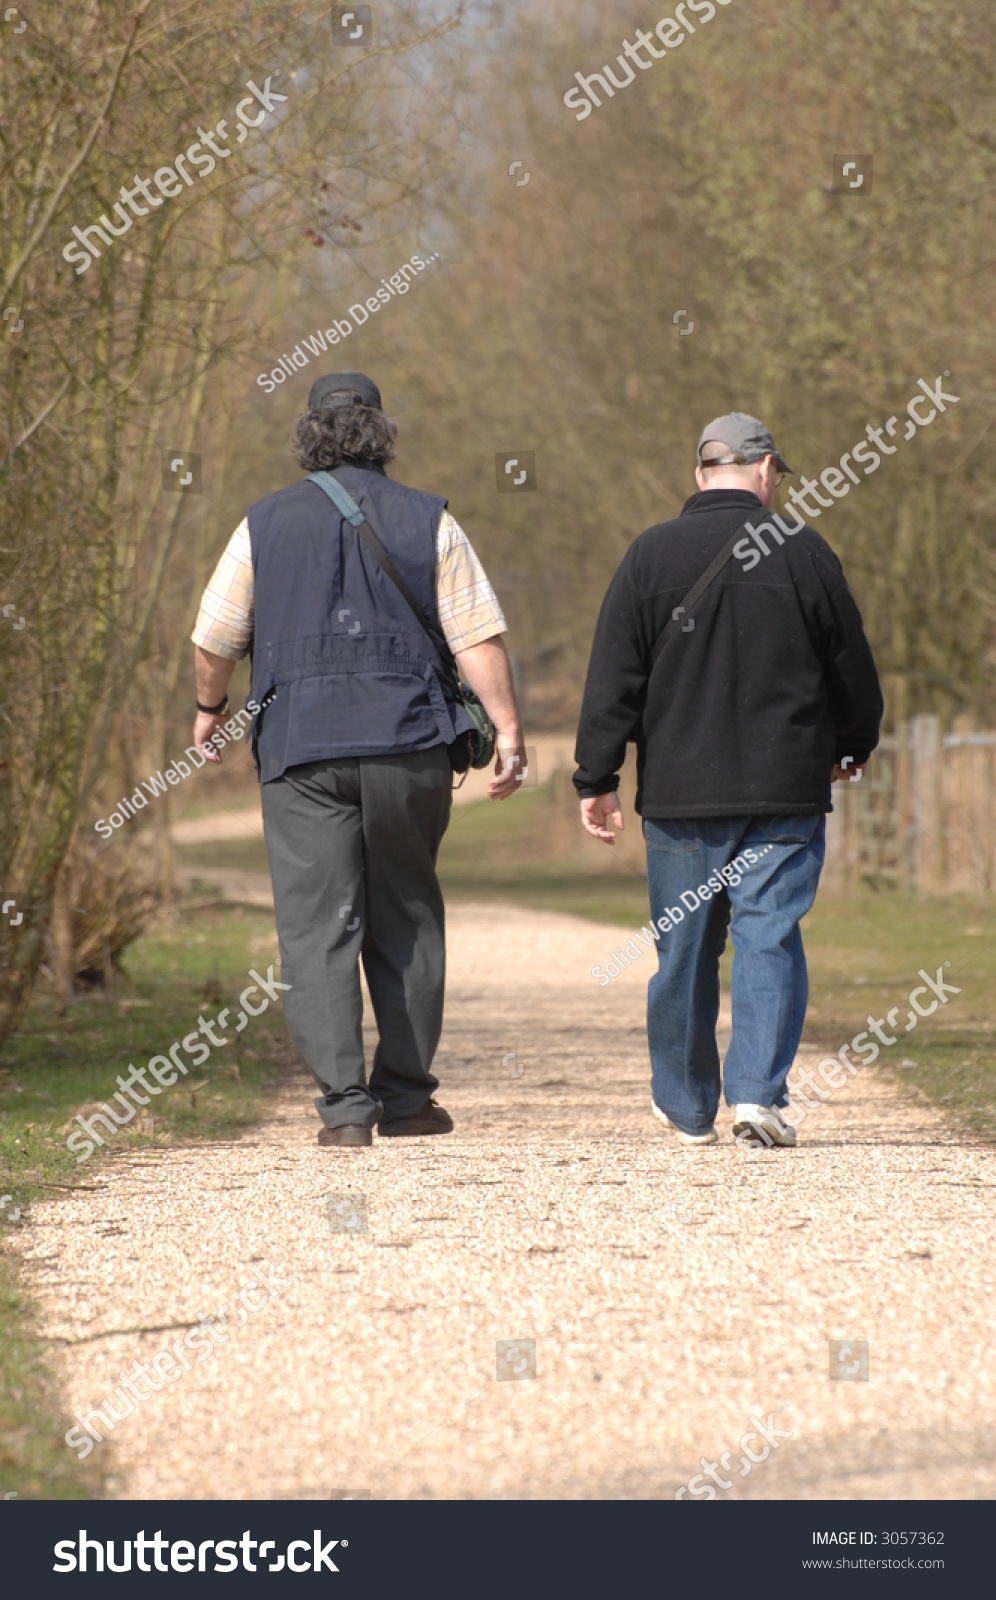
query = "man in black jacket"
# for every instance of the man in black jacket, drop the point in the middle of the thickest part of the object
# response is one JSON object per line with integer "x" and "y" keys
{"x": 763, "y": 693}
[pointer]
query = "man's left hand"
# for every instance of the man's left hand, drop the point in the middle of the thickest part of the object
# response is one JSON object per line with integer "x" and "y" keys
{"x": 854, "y": 773}
{"x": 595, "y": 813}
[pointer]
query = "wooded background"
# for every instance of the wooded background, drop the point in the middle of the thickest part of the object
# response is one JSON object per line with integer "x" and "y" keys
{"x": 547, "y": 325}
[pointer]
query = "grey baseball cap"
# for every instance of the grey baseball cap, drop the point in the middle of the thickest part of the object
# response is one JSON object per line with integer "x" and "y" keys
{"x": 343, "y": 389}
{"x": 746, "y": 439}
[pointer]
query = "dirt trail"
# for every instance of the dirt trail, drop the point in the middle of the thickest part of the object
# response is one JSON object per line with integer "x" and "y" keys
{"x": 670, "y": 1292}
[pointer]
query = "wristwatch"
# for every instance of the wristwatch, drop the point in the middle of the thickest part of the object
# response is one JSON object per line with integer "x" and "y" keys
{"x": 215, "y": 711}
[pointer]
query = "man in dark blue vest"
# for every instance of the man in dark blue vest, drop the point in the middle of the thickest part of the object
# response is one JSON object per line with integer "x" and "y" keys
{"x": 353, "y": 746}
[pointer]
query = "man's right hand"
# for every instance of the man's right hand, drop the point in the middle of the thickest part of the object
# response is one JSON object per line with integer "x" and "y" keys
{"x": 596, "y": 811}
{"x": 205, "y": 727}
{"x": 510, "y": 767}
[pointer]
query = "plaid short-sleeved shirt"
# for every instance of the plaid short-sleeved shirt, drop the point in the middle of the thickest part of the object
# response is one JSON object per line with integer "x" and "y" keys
{"x": 468, "y": 607}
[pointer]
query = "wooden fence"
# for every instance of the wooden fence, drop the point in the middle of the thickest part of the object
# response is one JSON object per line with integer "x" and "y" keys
{"x": 923, "y": 817}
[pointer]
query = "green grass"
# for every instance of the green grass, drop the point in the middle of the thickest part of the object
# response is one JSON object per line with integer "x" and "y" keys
{"x": 239, "y": 855}
{"x": 864, "y": 952}
{"x": 58, "y": 1063}
{"x": 209, "y": 803}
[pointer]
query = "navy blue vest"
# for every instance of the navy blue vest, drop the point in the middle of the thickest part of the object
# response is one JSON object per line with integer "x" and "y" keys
{"x": 350, "y": 670}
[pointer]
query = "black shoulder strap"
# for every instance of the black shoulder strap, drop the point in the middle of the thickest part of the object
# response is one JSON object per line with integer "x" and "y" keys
{"x": 675, "y": 625}
{"x": 351, "y": 511}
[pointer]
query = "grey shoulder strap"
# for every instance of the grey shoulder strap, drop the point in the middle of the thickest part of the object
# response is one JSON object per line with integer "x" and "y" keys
{"x": 351, "y": 511}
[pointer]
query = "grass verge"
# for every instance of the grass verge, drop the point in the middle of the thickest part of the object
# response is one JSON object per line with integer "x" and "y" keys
{"x": 59, "y": 1063}
{"x": 864, "y": 953}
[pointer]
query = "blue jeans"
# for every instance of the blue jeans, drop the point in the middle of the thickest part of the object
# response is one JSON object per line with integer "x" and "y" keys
{"x": 769, "y": 987}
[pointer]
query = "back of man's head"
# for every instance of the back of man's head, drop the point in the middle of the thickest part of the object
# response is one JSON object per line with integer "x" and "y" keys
{"x": 724, "y": 472}
{"x": 344, "y": 422}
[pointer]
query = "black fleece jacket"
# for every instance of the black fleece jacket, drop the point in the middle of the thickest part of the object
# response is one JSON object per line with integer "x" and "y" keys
{"x": 746, "y": 713}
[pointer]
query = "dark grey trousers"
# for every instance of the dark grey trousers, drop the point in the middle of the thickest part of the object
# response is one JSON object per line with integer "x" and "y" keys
{"x": 352, "y": 846}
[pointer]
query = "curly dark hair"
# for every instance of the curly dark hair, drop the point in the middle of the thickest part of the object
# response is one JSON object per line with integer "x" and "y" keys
{"x": 323, "y": 439}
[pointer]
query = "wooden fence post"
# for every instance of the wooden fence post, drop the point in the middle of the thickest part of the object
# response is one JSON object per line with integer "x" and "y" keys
{"x": 927, "y": 852}
{"x": 903, "y": 803}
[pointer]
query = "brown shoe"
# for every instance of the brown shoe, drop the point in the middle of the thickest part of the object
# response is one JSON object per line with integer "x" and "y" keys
{"x": 431, "y": 1119}
{"x": 351, "y": 1133}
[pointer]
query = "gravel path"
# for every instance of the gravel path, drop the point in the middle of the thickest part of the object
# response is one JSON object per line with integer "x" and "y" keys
{"x": 670, "y": 1292}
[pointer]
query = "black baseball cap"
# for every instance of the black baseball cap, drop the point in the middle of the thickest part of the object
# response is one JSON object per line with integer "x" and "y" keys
{"x": 343, "y": 389}
{"x": 746, "y": 438}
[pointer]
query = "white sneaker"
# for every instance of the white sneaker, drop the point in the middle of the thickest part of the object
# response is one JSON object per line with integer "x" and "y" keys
{"x": 761, "y": 1125}
{"x": 708, "y": 1137}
